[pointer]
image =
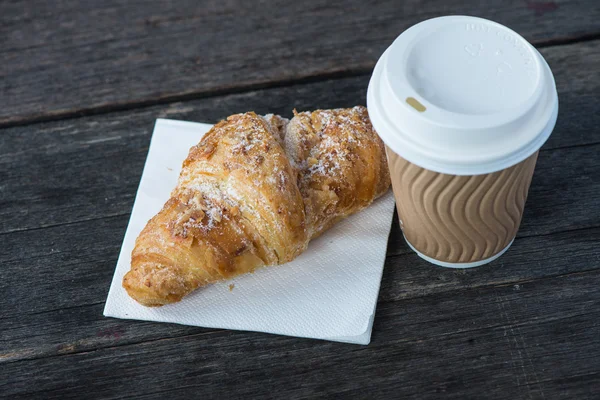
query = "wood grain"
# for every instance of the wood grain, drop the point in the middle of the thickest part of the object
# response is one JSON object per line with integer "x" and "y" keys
{"x": 562, "y": 198}
{"x": 66, "y": 197}
{"x": 523, "y": 327}
{"x": 505, "y": 341}
{"x": 89, "y": 168}
{"x": 71, "y": 320}
{"x": 64, "y": 58}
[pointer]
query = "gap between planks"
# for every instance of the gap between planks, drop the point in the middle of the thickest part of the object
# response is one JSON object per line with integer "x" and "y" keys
{"x": 394, "y": 256}
{"x": 124, "y": 214}
{"x": 587, "y": 228}
{"x": 37, "y": 228}
{"x": 210, "y": 331}
{"x": 196, "y": 95}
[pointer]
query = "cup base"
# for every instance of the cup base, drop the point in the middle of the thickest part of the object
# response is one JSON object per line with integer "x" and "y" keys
{"x": 458, "y": 265}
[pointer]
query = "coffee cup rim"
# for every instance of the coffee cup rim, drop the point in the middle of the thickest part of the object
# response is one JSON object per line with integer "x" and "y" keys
{"x": 470, "y": 137}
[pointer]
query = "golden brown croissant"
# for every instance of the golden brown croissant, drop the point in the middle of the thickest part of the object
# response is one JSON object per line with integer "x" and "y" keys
{"x": 253, "y": 192}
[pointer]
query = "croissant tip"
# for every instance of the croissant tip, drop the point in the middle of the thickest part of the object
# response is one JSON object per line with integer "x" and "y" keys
{"x": 146, "y": 298}
{"x": 144, "y": 290}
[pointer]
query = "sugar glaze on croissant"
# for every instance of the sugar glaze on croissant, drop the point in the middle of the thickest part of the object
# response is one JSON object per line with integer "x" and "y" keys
{"x": 254, "y": 192}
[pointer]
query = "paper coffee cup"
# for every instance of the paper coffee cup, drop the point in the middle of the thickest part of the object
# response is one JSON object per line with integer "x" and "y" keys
{"x": 463, "y": 105}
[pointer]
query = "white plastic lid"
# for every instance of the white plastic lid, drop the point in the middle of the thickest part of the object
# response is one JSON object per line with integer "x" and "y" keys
{"x": 463, "y": 96}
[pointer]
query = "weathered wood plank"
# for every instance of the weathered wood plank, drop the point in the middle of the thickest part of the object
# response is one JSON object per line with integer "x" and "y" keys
{"x": 100, "y": 158}
{"x": 62, "y": 58}
{"x": 59, "y": 267}
{"x": 529, "y": 258}
{"x": 38, "y": 193}
{"x": 538, "y": 340}
{"x": 70, "y": 320}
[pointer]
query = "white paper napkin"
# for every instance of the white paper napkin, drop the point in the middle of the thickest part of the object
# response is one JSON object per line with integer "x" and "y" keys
{"x": 329, "y": 292}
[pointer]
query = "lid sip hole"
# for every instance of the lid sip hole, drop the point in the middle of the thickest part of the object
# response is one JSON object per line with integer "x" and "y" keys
{"x": 414, "y": 103}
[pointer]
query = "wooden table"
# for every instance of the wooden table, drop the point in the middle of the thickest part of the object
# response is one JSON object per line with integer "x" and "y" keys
{"x": 81, "y": 84}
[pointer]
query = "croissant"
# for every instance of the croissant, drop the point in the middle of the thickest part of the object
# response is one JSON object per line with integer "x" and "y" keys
{"x": 254, "y": 192}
